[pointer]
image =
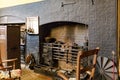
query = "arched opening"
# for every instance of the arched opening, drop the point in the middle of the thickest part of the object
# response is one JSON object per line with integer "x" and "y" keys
{"x": 63, "y": 30}
{"x": 66, "y": 32}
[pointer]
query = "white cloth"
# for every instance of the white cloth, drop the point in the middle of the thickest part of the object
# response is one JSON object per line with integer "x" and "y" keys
{"x": 14, "y": 74}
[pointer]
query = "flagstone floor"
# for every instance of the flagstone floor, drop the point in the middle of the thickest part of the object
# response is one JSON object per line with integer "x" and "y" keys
{"x": 28, "y": 74}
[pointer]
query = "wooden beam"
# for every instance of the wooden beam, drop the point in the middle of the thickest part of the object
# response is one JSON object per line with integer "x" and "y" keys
{"x": 118, "y": 28}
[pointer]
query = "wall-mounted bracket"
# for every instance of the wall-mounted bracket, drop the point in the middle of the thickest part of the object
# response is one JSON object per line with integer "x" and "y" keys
{"x": 93, "y": 2}
{"x": 63, "y": 4}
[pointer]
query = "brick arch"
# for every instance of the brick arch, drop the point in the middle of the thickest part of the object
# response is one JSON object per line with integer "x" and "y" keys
{"x": 61, "y": 23}
{"x": 71, "y": 30}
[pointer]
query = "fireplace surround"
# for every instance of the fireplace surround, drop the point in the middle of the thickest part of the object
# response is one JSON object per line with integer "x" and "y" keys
{"x": 58, "y": 38}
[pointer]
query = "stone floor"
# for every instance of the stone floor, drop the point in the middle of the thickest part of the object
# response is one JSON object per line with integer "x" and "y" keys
{"x": 28, "y": 74}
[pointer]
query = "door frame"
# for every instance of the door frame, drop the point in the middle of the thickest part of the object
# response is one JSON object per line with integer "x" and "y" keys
{"x": 118, "y": 35}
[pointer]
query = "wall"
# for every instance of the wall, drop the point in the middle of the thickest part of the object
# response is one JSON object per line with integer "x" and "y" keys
{"x": 100, "y": 18}
{"x": 52, "y": 10}
{"x": 74, "y": 34}
{"x": 103, "y": 26}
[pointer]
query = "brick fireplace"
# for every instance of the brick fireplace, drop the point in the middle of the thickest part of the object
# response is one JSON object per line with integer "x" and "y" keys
{"x": 56, "y": 36}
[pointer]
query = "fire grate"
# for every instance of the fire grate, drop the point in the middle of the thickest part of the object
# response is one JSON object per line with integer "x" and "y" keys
{"x": 54, "y": 52}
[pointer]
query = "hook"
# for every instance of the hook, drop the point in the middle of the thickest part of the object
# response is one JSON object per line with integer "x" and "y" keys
{"x": 92, "y": 2}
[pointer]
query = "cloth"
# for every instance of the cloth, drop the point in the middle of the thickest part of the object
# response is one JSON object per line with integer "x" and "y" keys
{"x": 14, "y": 74}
